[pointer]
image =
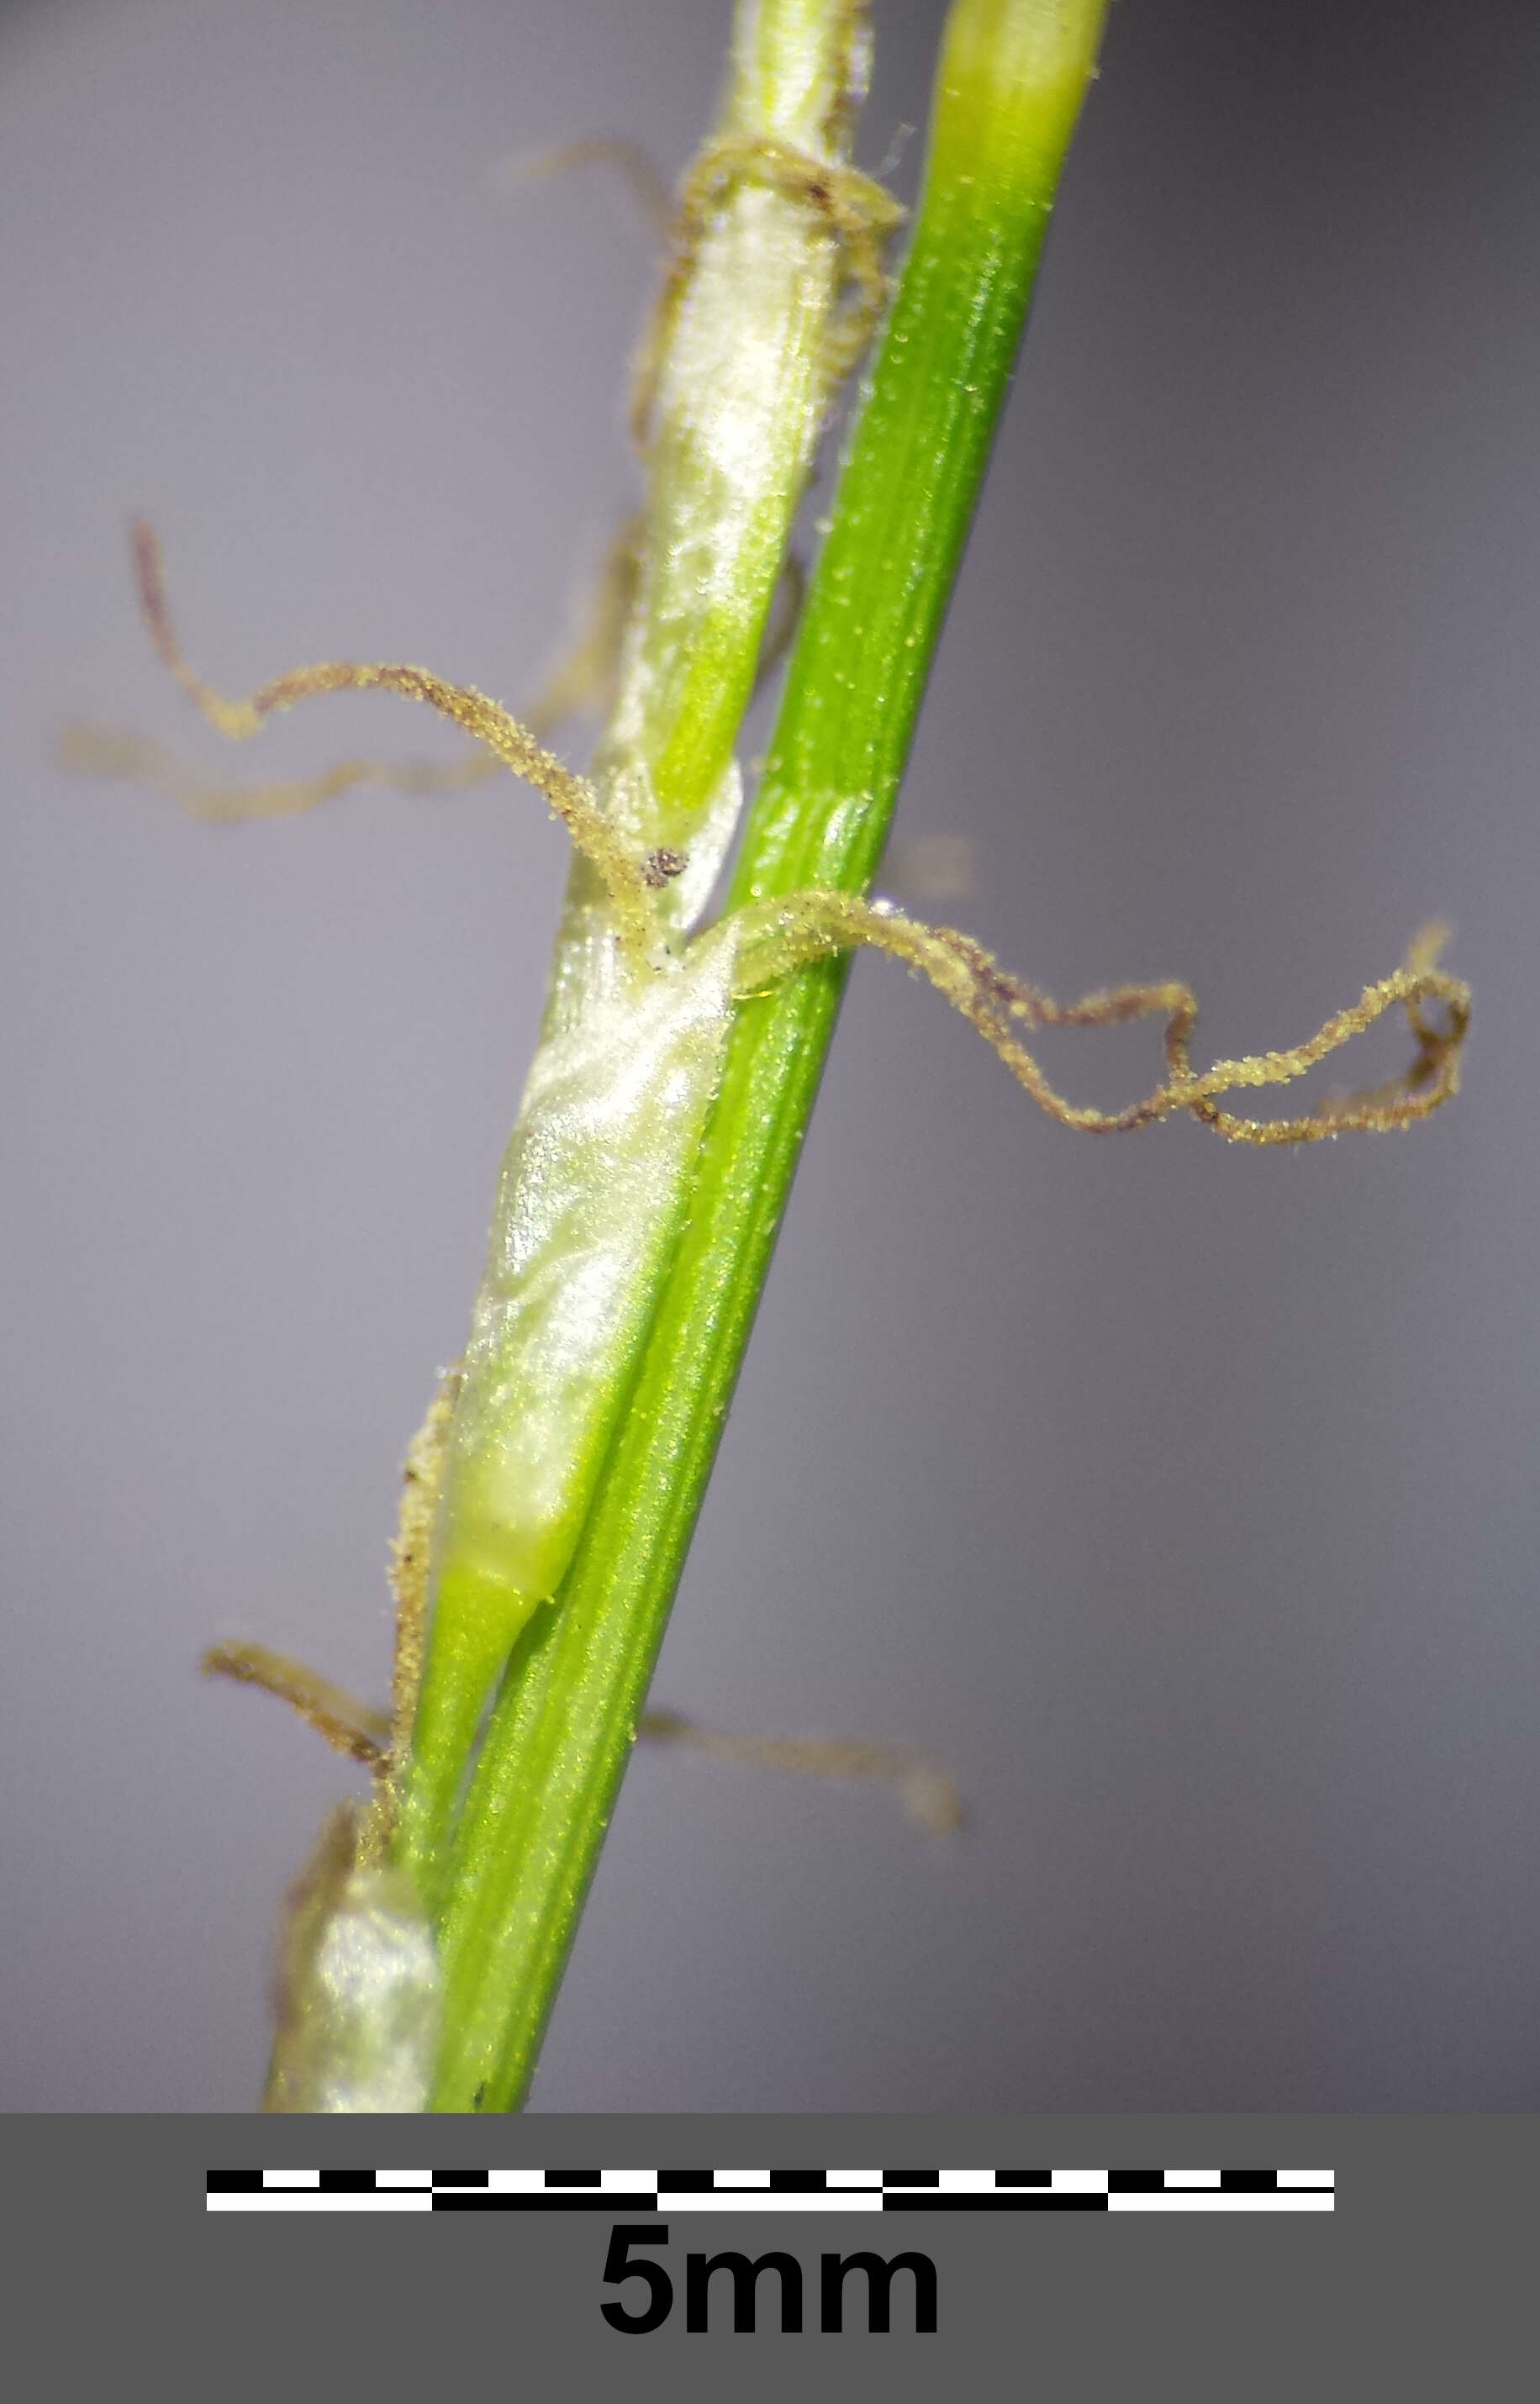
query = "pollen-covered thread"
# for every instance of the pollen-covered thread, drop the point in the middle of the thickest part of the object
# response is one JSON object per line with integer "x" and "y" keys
{"x": 815, "y": 925}
{"x": 641, "y": 178}
{"x": 570, "y": 797}
{"x": 926, "y": 1793}
{"x": 138, "y": 760}
{"x": 347, "y": 1725}
{"x": 380, "y": 1739}
{"x": 411, "y": 1561}
{"x": 581, "y": 677}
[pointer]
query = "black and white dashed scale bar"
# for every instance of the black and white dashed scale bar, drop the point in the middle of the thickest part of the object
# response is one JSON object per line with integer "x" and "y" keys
{"x": 721, "y": 2191}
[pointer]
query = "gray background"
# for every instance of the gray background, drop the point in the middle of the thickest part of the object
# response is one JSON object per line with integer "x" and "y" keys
{"x": 1180, "y": 1501}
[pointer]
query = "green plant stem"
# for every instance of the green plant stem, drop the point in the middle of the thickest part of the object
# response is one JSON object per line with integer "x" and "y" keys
{"x": 1012, "y": 75}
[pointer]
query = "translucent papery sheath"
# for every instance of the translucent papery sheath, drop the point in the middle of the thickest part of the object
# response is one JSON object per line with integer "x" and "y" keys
{"x": 588, "y": 1199}
{"x": 360, "y": 2000}
{"x": 736, "y": 382}
{"x": 610, "y": 1115}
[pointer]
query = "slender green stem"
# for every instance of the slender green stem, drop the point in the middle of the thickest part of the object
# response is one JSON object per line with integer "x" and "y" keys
{"x": 1012, "y": 75}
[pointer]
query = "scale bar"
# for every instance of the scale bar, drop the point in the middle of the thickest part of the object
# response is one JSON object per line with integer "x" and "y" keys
{"x": 617, "y": 2192}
